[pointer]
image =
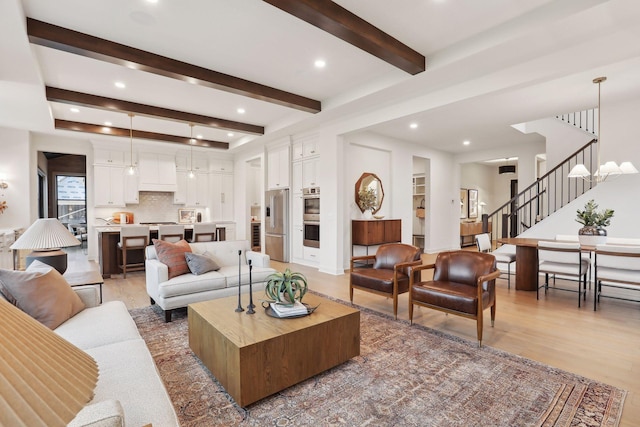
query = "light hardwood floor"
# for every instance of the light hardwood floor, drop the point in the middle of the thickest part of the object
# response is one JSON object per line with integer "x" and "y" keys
{"x": 602, "y": 345}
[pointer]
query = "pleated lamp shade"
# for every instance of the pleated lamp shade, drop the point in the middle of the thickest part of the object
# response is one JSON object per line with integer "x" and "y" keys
{"x": 46, "y": 236}
{"x": 46, "y": 233}
{"x": 44, "y": 379}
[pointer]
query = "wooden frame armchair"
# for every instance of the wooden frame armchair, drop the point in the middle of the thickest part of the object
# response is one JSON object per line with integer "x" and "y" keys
{"x": 389, "y": 275}
{"x": 463, "y": 284}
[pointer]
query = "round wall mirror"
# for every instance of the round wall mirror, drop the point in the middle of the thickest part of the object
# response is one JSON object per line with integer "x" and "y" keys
{"x": 369, "y": 192}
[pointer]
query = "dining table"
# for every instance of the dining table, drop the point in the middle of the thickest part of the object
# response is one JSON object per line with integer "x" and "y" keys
{"x": 527, "y": 259}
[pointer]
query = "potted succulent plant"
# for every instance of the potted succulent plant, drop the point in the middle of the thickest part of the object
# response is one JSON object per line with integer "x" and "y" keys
{"x": 286, "y": 287}
{"x": 594, "y": 222}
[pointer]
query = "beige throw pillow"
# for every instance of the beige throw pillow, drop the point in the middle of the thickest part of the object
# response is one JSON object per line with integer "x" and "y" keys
{"x": 43, "y": 294}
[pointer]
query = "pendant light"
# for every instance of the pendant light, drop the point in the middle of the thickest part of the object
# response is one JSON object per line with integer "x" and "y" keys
{"x": 132, "y": 169}
{"x": 191, "y": 142}
{"x": 610, "y": 168}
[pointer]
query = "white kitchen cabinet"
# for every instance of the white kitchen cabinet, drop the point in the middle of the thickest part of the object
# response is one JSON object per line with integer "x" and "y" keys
{"x": 108, "y": 186}
{"x": 198, "y": 190}
{"x": 157, "y": 172}
{"x": 108, "y": 157}
{"x": 255, "y": 186}
{"x": 221, "y": 165}
{"x": 130, "y": 188}
{"x": 297, "y": 249}
{"x": 221, "y": 197}
{"x": 296, "y": 175}
{"x": 305, "y": 149}
{"x": 310, "y": 172}
{"x": 311, "y": 255}
{"x": 180, "y": 195}
{"x": 200, "y": 163}
{"x": 278, "y": 168}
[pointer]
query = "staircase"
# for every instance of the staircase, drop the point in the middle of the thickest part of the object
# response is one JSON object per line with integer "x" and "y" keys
{"x": 547, "y": 195}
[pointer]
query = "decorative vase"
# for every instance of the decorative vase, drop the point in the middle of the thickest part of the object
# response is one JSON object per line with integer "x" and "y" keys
{"x": 592, "y": 236}
{"x": 367, "y": 214}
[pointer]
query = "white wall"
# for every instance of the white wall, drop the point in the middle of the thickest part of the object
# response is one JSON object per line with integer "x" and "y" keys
{"x": 14, "y": 152}
{"x": 617, "y": 194}
{"x": 392, "y": 160}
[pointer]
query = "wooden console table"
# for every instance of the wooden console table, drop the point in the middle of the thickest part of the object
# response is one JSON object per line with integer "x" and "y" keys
{"x": 471, "y": 229}
{"x": 371, "y": 232}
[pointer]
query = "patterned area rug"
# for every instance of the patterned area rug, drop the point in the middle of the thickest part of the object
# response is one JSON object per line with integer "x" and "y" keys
{"x": 406, "y": 375}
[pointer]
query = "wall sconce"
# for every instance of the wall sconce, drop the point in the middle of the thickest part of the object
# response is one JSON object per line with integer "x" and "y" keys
{"x": 3, "y": 183}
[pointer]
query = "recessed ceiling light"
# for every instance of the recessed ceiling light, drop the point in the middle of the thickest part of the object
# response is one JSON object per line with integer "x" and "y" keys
{"x": 120, "y": 85}
{"x": 108, "y": 123}
{"x": 230, "y": 134}
{"x": 74, "y": 110}
{"x": 413, "y": 125}
{"x": 199, "y": 136}
{"x": 240, "y": 110}
{"x": 466, "y": 142}
{"x": 152, "y": 1}
{"x": 320, "y": 63}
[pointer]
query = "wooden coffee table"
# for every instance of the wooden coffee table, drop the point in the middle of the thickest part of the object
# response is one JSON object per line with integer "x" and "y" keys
{"x": 254, "y": 356}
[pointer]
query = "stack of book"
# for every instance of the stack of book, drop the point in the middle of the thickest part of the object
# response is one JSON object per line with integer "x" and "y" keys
{"x": 297, "y": 309}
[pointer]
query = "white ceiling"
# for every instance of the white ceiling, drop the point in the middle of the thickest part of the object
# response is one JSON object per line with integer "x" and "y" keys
{"x": 490, "y": 64}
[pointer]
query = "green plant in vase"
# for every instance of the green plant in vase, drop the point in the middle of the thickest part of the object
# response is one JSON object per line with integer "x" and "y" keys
{"x": 593, "y": 222}
{"x": 286, "y": 287}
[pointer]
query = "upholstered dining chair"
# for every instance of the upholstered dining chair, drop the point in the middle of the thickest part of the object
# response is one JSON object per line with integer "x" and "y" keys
{"x": 505, "y": 255}
{"x": 389, "y": 274}
{"x": 616, "y": 266}
{"x": 463, "y": 284}
{"x": 171, "y": 233}
{"x": 133, "y": 238}
{"x": 562, "y": 259}
{"x": 204, "y": 232}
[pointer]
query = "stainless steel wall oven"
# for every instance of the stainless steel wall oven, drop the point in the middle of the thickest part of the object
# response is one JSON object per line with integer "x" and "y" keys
{"x": 311, "y": 236}
{"x": 311, "y": 203}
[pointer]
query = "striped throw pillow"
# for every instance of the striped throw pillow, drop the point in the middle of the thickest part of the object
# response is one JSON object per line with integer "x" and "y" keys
{"x": 172, "y": 254}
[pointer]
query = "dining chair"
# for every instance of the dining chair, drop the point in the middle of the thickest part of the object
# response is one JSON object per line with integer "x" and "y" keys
{"x": 505, "y": 255}
{"x": 616, "y": 267}
{"x": 562, "y": 259}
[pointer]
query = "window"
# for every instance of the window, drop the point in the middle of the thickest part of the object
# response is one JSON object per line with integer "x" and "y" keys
{"x": 71, "y": 196}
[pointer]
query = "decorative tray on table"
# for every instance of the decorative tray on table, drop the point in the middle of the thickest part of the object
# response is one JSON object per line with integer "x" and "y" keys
{"x": 287, "y": 312}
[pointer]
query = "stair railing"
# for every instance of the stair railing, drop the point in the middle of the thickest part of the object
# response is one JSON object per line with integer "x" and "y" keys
{"x": 545, "y": 196}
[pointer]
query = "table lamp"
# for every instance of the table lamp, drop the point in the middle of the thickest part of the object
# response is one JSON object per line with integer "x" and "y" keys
{"x": 46, "y": 236}
{"x": 45, "y": 379}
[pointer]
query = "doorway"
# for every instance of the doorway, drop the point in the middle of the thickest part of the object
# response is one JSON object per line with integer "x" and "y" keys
{"x": 420, "y": 195}
{"x": 62, "y": 194}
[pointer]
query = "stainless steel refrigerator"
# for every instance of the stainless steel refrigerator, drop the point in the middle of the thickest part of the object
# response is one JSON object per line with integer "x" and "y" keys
{"x": 277, "y": 225}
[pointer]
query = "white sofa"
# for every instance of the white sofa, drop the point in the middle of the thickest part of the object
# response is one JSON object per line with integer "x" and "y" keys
{"x": 129, "y": 389}
{"x": 188, "y": 288}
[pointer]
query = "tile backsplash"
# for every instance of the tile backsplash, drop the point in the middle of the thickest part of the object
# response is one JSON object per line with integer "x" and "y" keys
{"x": 154, "y": 206}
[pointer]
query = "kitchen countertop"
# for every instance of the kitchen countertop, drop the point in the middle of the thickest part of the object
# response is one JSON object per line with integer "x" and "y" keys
{"x": 116, "y": 227}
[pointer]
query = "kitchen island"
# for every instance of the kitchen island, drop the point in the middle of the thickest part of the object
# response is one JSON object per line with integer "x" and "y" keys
{"x": 109, "y": 236}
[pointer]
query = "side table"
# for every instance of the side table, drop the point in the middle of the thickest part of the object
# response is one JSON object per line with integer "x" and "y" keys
{"x": 84, "y": 278}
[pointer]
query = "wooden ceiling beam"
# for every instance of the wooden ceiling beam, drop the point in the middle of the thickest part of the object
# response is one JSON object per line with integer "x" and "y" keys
{"x": 110, "y": 104}
{"x": 140, "y": 134}
{"x": 336, "y": 20}
{"x": 55, "y": 37}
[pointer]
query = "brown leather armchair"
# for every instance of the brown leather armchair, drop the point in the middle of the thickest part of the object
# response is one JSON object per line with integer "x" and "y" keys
{"x": 390, "y": 273}
{"x": 463, "y": 284}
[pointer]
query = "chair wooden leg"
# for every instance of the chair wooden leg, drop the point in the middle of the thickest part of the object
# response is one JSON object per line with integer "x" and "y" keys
{"x": 479, "y": 324}
{"x": 493, "y": 314}
{"x": 395, "y": 307}
{"x": 351, "y": 294}
{"x": 124, "y": 263}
